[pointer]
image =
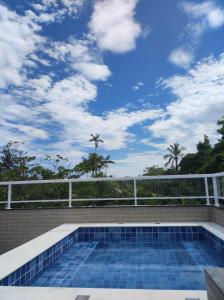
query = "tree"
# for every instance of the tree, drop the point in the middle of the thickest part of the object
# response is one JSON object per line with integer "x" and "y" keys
{"x": 194, "y": 162}
{"x": 96, "y": 139}
{"x": 57, "y": 167}
{"x": 189, "y": 164}
{"x": 93, "y": 164}
{"x": 82, "y": 168}
{"x": 153, "y": 171}
{"x": 15, "y": 164}
{"x": 106, "y": 161}
{"x": 221, "y": 129}
{"x": 216, "y": 160}
{"x": 175, "y": 154}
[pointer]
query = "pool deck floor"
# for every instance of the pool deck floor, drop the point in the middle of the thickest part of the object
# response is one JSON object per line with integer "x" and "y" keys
{"x": 37, "y": 293}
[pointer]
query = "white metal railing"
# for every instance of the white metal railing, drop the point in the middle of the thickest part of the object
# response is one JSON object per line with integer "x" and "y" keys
{"x": 216, "y": 196}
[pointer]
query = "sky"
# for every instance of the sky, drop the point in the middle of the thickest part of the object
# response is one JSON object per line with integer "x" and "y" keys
{"x": 141, "y": 73}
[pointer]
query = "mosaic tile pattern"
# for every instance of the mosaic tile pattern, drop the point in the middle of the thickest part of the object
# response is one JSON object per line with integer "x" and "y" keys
{"x": 138, "y": 265}
{"x": 34, "y": 268}
{"x": 125, "y": 257}
{"x": 212, "y": 240}
{"x": 106, "y": 234}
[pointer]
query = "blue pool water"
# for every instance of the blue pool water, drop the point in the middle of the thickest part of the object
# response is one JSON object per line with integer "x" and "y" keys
{"x": 137, "y": 264}
{"x": 142, "y": 257}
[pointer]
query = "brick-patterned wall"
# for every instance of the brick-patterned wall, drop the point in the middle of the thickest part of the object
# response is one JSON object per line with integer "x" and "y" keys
{"x": 19, "y": 226}
{"x": 217, "y": 215}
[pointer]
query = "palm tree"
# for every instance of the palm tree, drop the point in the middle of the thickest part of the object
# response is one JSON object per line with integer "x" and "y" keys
{"x": 93, "y": 164}
{"x": 96, "y": 139}
{"x": 106, "y": 161}
{"x": 175, "y": 153}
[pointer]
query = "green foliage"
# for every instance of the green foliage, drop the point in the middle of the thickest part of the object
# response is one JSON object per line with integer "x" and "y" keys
{"x": 175, "y": 154}
{"x": 207, "y": 159}
{"x": 16, "y": 164}
{"x": 195, "y": 162}
{"x": 93, "y": 165}
{"x": 153, "y": 171}
{"x": 220, "y": 130}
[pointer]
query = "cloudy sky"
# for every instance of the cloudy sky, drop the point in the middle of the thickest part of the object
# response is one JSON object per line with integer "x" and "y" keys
{"x": 143, "y": 74}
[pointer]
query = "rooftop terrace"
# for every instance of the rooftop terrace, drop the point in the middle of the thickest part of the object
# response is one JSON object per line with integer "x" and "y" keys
{"x": 31, "y": 208}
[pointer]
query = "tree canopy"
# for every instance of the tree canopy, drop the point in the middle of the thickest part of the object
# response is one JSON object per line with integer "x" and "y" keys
{"x": 206, "y": 159}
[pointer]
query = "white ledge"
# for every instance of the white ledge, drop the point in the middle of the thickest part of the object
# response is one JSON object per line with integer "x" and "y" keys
{"x": 35, "y": 293}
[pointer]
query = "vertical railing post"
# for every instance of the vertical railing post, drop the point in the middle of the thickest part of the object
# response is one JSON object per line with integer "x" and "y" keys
{"x": 207, "y": 191}
{"x": 9, "y": 197}
{"x": 215, "y": 189}
{"x": 70, "y": 195}
{"x": 135, "y": 193}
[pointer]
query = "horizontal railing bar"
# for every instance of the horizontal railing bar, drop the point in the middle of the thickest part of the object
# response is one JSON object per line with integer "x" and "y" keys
{"x": 102, "y": 199}
{"x": 39, "y": 201}
{"x": 66, "y": 200}
{"x": 218, "y": 174}
{"x": 176, "y": 197}
{"x": 108, "y": 199}
{"x": 2, "y": 183}
{"x": 160, "y": 177}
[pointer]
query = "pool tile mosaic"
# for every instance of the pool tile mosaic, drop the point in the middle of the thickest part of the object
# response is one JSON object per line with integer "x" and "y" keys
{"x": 125, "y": 257}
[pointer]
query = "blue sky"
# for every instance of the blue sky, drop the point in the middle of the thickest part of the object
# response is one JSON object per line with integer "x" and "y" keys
{"x": 143, "y": 74}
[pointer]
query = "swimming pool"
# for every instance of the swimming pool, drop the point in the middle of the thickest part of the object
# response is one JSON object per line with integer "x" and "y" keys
{"x": 142, "y": 257}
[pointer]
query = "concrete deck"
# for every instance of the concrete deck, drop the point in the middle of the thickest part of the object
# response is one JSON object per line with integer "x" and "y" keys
{"x": 36, "y": 293}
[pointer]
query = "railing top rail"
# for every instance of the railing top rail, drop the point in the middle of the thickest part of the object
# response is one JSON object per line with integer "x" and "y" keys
{"x": 164, "y": 177}
{"x": 218, "y": 174}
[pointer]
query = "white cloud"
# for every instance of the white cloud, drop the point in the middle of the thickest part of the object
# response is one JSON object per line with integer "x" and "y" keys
{"x": 67, "y": 105}
{"x": 93, "y": 71}
{"x": 134, "y": 163}
{"x": 216, "y": 18}
{"x": 113, "y": 25}
{"x": 29, "y": 131}
{"x": 138, "y": 85}
{"x": 19, "y": 38}
{"x": 81, "y": 56}
{"x": 71, "y": 91}
{"x": 202, "y": 17}
{"x": 19, "y": 122}
{"x": 207, "y": 13}
{"x": 43, "y": 108}
{"x": 181, "y": 58}
{"x": 199, "y": 104}
{"x": 56, "y": 10}
{"x": 73, "y": 50}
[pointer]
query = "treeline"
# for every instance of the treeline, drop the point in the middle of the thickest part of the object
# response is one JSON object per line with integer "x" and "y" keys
{"x": 16, "y": 164}
{"x": 207, "y": 158}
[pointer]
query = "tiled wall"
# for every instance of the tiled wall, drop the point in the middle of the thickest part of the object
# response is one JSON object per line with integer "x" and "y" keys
{"x": 217, "y": 215}
{"x": 19, "y": 226}
{"x": 212, "y": 240}
{"x": 138, "y": 234}
{"x": 29, "y": 272}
